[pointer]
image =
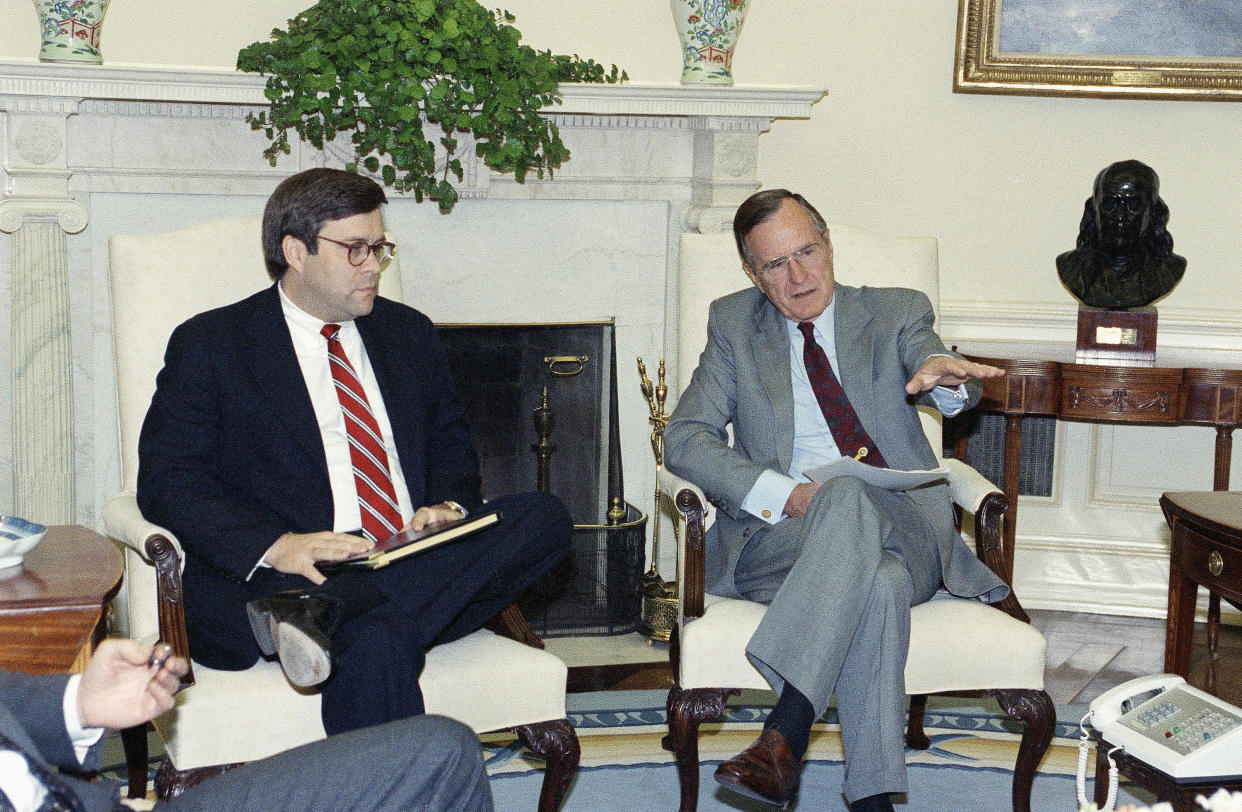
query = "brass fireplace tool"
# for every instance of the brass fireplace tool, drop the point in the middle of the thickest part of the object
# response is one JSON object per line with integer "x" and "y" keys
{"x": 659, "y": 612}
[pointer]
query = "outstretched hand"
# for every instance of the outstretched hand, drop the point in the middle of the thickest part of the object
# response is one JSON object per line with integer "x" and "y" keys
{"x": 124, "y": 685}
{"x": 946, "y": 370}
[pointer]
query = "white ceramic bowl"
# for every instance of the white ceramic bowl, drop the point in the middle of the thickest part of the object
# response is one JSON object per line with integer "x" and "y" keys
{"x": 17, "y": 537}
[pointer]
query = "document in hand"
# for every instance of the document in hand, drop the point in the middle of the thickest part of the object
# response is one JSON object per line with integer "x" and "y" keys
{"x": 890, "y": 478}
{"x": 410, "y": 542}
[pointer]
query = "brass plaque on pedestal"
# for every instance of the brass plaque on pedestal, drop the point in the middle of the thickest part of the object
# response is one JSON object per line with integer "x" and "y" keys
{"x": 1126, "y": 337}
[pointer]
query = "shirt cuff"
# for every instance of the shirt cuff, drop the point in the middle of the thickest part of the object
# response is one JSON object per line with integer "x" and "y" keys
{"x": 83, "y": 738}
{"x": 950, "y": 400}
{"x": 768, "y": 496}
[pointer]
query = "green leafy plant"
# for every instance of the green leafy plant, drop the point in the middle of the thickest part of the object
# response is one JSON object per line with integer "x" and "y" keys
{"x": 387, "y": 71}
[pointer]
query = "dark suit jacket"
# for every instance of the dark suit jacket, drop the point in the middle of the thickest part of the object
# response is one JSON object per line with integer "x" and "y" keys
{"x": 32, "y": 717}
{"x": 230, "y": 455}
{"x": 883, "y": 335}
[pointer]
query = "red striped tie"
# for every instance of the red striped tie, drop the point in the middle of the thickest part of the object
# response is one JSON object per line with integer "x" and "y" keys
{"x": 377, "y": 499}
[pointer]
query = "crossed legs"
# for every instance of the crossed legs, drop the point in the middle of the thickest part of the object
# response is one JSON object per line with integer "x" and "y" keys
{"x": 839, "y": 584}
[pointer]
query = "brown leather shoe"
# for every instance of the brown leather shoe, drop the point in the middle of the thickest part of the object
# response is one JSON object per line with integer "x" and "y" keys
{"x": 766, "y": 771}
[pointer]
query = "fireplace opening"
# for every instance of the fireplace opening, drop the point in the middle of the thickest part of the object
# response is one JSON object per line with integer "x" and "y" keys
{"x": 542, "y": 405}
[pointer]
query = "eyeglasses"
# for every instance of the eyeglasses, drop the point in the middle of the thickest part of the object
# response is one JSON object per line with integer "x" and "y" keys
{"x": 359, "y": 250}
{"x": 806, "y": 255}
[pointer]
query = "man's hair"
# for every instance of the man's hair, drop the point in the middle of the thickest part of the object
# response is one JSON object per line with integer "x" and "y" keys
{"x": 1156, "y": 238}
{"x": 302, "y": 203}
{"x": 762, "y": 206}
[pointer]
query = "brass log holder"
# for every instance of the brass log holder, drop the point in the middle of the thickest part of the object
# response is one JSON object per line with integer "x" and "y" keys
{"x": 659, "y": 611}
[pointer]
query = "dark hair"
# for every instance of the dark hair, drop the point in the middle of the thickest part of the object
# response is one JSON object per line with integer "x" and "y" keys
{"x": 1156, "y": 239}
{"x": 302, "y": 203}
{"x": 762, "y": 206}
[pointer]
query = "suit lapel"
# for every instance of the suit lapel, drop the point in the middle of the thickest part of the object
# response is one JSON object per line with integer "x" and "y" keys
{"x": 856, "y": 355}
{"x": 770, "y": 344}
{"x": 395, "y": 382}
{"x": 270, "y": 360}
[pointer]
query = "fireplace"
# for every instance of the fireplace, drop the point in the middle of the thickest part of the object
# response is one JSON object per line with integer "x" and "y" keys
{"x": 542, "y": 405}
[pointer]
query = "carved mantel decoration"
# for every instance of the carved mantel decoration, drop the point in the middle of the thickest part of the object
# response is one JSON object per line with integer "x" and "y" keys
{"x": 85, "y": 145}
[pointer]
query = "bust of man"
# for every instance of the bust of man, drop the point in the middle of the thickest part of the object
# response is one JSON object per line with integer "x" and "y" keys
{"x": 1125, "y": 254}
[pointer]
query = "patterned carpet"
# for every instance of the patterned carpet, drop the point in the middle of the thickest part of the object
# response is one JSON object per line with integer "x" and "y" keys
{"x": 968, "y": 767}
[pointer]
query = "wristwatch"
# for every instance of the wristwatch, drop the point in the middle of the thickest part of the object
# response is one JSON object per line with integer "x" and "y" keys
{"x": 451, "y": 505}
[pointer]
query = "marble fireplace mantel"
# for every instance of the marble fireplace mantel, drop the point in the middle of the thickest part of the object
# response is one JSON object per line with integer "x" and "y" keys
{"x": 89, "y": 151}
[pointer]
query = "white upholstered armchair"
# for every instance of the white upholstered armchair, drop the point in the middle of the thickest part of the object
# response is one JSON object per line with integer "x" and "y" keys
{"x": 224, "y": 718}
{"x": 956, "y": 645}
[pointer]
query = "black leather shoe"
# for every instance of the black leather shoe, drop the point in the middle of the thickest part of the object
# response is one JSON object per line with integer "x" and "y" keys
{"x": 873, "y": 803}
{"x": 297, "y": 627}
{"x": 766, "y": 771}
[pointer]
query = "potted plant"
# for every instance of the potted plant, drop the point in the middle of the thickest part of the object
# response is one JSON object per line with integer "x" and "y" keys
{"x": 390, "y": 73}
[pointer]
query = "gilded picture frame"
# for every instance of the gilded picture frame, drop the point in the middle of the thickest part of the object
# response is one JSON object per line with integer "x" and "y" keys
{"x": 1013, "y": 59}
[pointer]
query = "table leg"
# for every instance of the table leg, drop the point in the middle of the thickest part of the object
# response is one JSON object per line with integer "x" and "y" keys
{"x": 1220, "y": 482}
{"x": 1013, "y": 457}
{"x": 1179, "y": 625}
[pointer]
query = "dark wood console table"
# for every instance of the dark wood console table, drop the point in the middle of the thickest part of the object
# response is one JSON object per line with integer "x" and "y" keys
{"x": 1207, "y": 551}
{"x": 55, "y": 611}
{"x": 1051, "y": 384}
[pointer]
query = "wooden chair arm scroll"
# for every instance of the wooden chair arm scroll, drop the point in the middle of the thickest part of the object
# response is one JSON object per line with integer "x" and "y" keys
{"x": 162, "y": 554}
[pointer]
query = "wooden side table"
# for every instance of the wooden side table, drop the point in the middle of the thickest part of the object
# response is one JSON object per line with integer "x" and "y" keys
{"x": 1180, "y": 795}
{"x": 55, "y": 611}
{"x": 1206, "y": 550}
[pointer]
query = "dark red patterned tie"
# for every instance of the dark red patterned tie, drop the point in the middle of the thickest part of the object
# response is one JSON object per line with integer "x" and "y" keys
{"x": 377, "y": 499}
{"x": 847, "y": 430}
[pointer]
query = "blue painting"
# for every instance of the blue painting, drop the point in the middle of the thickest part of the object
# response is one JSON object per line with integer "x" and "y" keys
{"x": 1141, "y": 28}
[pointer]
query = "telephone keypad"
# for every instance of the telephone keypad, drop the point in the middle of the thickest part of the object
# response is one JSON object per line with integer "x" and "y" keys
{"x": 1181, "y": 722}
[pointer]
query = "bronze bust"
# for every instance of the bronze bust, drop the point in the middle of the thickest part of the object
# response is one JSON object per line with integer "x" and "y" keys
{"x": 1125, "y": 253}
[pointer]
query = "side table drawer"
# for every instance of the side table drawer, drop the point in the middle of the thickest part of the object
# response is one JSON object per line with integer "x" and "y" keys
{"x": 1208, "y": 562}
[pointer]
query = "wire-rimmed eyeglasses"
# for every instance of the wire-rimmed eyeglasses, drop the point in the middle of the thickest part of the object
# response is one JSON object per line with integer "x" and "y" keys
{"x": 807, "y": 254}
{"x": 359, "y": 250}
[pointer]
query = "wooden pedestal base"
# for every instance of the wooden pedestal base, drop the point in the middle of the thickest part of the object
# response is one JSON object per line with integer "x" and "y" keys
{"x": 1126, "y": 337}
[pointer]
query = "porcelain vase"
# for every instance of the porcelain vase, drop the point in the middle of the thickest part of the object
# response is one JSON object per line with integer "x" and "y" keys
{"x": 708, "y": 30}
{"x": 70, "y": 29}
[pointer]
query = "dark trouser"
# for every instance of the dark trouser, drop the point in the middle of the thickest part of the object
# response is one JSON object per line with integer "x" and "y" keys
{"x": 432, "y": 598}
{"x": 428, "y": 763}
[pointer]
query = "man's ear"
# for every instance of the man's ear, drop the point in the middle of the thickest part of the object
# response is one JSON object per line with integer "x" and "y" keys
{"x": 295, "y": 252}
{"x": 750, "y": 273}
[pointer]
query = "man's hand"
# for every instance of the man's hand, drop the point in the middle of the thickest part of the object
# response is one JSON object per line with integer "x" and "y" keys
{"x": 945, "y": 370}
{"x": 123, "y": 685}
{"x": 297, "y": 553}
{"x": 433, "y": 514}
{"x": 800, "y": 499}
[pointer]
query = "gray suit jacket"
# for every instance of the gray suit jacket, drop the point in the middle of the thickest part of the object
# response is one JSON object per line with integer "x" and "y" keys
{"x": 883, "y": 335}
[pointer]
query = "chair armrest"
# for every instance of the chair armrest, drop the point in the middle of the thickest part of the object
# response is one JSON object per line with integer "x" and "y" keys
{"x": 691, "y": 555}
{"x": 158, "y": 548}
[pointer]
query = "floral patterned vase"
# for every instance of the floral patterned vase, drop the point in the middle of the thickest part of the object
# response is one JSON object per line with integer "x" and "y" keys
{"x": 708, "y": 31}
{"x": 71, "y": 29}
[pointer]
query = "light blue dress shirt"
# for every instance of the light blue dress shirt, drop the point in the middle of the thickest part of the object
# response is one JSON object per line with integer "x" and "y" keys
{"x": 813, "y": 442}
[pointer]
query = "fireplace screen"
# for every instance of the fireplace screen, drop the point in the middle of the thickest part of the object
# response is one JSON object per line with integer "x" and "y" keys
{"x": 502, "y": 373}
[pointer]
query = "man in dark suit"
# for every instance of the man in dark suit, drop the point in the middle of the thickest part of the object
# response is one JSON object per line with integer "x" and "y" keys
{"x": 283, "y": 424}
{"x": 429, "y": 762}
{"x": 806, "y": 371}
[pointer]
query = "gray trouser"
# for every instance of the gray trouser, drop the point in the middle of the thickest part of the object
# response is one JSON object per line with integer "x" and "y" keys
{"x": 419, "y": 763}
{"x": 840, "y": 583}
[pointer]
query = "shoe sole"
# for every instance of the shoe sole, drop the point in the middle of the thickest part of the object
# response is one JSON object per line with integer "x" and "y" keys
{"x": 261, "y": 626}
{"x": 304, "y": 661}
{"x": 728, "y": 783}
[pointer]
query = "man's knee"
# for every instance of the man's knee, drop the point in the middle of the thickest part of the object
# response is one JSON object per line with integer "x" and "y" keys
{"x": 893, "y": 584}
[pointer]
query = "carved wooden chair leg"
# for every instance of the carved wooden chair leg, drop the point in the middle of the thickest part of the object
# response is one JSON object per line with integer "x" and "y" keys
{"x": 171, "y": 782}
{"x": 686, "y": 711}
{"x": 557, "y": 742}
{"x": 1035, "y": 710}
{"x": 915, "y": 737}
{"x": 134, "y": 742}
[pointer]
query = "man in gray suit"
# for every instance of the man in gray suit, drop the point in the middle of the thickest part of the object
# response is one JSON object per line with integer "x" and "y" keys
{"x": 808, "y": 370}
{"x": 423, "y": 762}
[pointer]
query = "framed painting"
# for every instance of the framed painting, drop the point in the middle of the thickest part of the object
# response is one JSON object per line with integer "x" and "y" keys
{"x": 1152, "y": 49}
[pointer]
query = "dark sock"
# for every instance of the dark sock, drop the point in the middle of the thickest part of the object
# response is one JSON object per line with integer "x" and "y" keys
{"x": 873, "y": 803}
{"x": 792, "y": 718}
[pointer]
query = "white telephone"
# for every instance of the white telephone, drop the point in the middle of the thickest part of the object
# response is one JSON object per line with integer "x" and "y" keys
{"x": 1179, "y": 730}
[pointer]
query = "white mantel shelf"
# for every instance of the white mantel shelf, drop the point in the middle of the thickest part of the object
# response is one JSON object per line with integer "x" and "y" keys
{"x": 221, "y": 86}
